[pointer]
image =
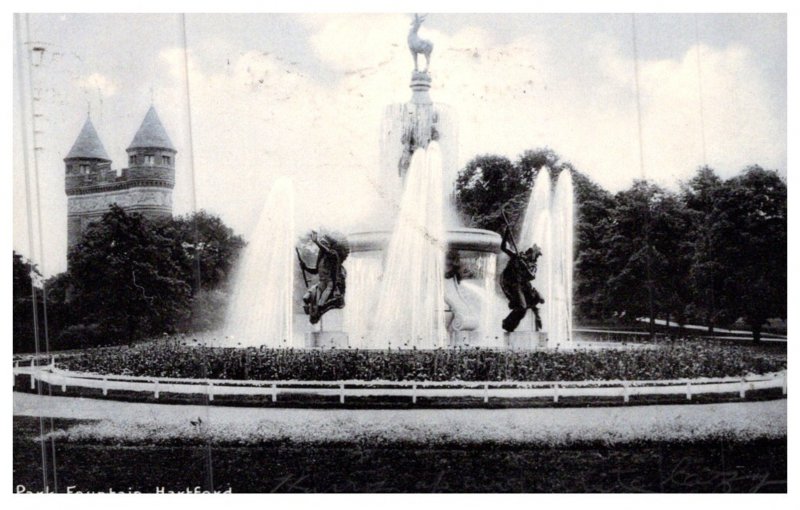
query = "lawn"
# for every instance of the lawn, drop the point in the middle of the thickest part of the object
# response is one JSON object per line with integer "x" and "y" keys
{"x": 710, "y": 465}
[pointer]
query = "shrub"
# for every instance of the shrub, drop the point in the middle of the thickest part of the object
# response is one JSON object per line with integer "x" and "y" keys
{"x": 187, "y": 358}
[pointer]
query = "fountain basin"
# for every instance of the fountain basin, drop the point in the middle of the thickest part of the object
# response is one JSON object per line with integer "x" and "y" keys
{"x": 460, "y": 239}
{"x": 466, "y": 306}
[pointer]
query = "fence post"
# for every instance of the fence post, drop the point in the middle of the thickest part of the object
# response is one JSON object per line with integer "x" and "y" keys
{"x": 414, "y": 393}
{"x": 210, "y": 390}
{"x": 486, "y": 393}
{"x": 33, "y": 380}
{"x": 156, "y": 392}
{"x": 105, "y": 385}
{"x": 341, "y": 393}
{"x": 688, "y": 391}
{"x": 742, "y": 388}
{"x": 784, "y": 382}
{"x": 274, "y": 392}
{"x": 63, "y": 384}
{"x": 626, "y": 397}
{"x": 555, "y": 393}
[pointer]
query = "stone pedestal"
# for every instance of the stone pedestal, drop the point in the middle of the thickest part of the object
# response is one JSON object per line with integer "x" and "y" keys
{"x": 327, "y": 339}
{"x": 329, "y": 333}
{"x": 525, "y": 340}
{"x": 420, "y": 84}
{"x": 464, "y": 338}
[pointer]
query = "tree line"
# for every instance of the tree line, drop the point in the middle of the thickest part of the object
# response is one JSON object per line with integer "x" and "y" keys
{"x": 712, "y": 253}
{"x": 129, "y": 278}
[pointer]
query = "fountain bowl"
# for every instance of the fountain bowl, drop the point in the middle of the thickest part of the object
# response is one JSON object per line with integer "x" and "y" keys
{"x": 465, "y": 304}
{"x": 460, "y": 239}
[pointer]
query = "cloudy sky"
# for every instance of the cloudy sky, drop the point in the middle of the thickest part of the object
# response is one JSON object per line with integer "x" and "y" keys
{"x": 303, "y": 96}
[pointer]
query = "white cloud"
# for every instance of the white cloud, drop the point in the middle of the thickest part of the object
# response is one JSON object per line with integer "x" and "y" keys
{"x": 739, "y": 126}
{"x": 353, "y": 42}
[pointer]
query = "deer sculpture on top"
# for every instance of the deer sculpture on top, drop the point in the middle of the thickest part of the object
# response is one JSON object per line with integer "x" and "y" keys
{"x": 417, "y": 45}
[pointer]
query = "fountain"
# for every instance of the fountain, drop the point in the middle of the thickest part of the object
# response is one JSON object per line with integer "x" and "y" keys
{"x": 400, "y": 296}
{"x": 422, "y": 281}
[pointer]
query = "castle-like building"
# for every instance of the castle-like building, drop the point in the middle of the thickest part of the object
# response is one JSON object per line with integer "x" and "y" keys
{"x": 144, "y": 187}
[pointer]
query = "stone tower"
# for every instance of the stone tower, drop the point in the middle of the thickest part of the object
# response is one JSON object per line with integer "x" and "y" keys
{"x": 144, "y": 187}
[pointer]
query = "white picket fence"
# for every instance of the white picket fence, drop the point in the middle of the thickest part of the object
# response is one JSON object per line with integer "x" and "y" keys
{"x": 411, "y": 389}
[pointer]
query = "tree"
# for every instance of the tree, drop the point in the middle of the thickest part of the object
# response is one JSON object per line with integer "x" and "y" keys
{"x": 748, "y": 234}
{"x": 532, "y": 160}
{"x": 488, "y": 184}
{"x": 59, "y": 312}
{"x": 592, "y": 225}
{"x": 52, "y": 311}
{"x": 209, "y": 248}
{"x": 630, "y": 287}
{"x": 647, "y": 257}
{"x": 27, "y": 300}
{"x": 672, "y": 256}
{"x": 128, "y": 277}
{"x": 699, "y": 195}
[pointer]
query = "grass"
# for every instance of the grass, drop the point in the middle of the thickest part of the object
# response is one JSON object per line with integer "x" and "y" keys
{"x": 143, "y": 424}
{"x": 711, "y": 465}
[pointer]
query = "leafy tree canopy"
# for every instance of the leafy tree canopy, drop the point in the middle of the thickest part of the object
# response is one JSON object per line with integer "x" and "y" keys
{"x": 128, "y": 276}
{"x": 209, "y": 248}
{"x": 748, "y": 231}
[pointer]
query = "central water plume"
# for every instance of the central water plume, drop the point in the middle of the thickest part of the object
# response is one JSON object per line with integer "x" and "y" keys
{"x": 410, "y": 308}
{"x": 260, "y": 312}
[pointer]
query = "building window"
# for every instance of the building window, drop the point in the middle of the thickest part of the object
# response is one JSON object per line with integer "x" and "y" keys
{"x": 84, "y": 169}
{"x": 149, "y": 159}
{"x": 165, "y": 160}
{"x": 132, "y": 159}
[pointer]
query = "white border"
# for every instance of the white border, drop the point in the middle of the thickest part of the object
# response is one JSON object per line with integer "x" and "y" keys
{"x": 463, "y": 502}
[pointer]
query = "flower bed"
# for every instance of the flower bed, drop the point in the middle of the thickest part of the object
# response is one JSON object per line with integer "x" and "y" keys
{"x": 675, "y": 360}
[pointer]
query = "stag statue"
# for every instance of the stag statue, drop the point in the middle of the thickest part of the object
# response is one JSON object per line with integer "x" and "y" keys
{"x": 418, "y": 45}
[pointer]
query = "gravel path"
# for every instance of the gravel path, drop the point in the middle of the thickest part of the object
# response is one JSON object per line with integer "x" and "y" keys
{"x": 142, "y": 422}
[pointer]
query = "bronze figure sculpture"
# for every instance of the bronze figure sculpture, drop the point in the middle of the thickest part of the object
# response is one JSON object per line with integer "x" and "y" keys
{"x": 516, "y": 282}
{"x": 328, "y": 292}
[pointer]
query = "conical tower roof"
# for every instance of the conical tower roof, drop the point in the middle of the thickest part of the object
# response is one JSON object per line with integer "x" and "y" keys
{"x": 88, "y": 144}
{"x": 151, "y": 133}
